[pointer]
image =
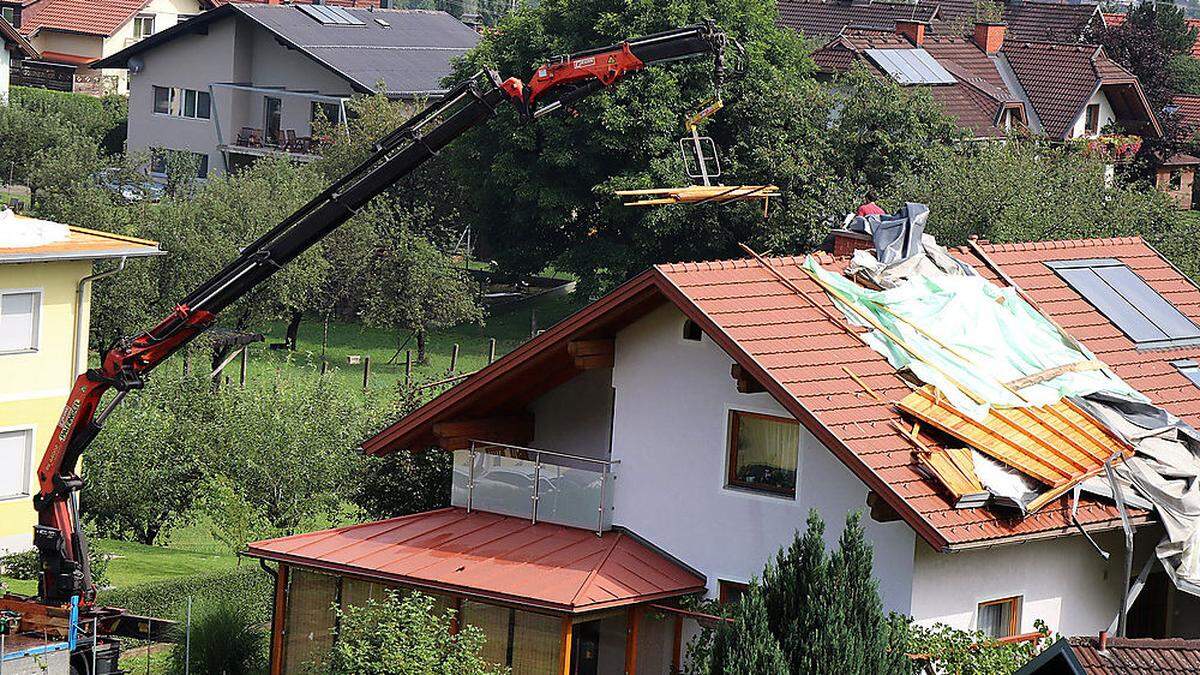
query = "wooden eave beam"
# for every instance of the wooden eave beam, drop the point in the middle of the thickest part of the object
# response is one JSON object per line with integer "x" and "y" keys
{"x": 746, "y": 384}
{"x": 458, "y": 434}
{"x": 588, "y": 354}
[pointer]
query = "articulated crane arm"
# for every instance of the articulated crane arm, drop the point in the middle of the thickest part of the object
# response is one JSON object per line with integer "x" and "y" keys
{"x": 125, "y": 366}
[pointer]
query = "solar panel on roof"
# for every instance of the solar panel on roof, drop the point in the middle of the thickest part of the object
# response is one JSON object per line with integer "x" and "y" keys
{"x": 911, "y": 66}
{"x": 331, "y": 16}
{"x": 1128, "y": 301}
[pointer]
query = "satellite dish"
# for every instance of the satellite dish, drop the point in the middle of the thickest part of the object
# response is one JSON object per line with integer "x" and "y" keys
{"x": 136, "y": 64}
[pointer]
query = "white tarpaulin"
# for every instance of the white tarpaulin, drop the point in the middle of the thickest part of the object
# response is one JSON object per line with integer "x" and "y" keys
{"x": 18, "y": 232}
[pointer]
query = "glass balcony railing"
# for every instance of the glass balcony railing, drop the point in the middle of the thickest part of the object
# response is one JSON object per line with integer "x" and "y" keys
{"x": 542, "y": 485}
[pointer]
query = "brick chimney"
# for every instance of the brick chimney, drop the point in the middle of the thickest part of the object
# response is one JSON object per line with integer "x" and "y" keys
{"x": 989, "y": 35}
{"x": 845, "y": 242}
{"x": 912, "y": 29}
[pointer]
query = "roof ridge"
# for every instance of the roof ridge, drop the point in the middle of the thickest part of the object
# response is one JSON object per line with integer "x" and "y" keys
{"x": 1061, "y": 243}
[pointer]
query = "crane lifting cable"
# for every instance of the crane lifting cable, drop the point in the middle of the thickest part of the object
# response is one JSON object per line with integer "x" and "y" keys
{"x": 702, "y": 163}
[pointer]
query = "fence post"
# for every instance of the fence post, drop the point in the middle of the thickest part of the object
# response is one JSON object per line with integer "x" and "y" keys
{"x": 407, "y": 366}
{"x": 533, "y": 323}
{"x": 366, "y": 372}
{"x": 454, "y": 357}
{"x": 242, "y": 372}
{"x": 187, "y": 641}
{"x": 491, "y": 350}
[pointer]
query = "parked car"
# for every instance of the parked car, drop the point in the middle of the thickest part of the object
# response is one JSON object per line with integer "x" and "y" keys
{"x": 130, "y": 187}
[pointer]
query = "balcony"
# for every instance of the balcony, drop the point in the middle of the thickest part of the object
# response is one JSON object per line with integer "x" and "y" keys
{"x": 256, "y": 121}
{"x": 541, "y": 485}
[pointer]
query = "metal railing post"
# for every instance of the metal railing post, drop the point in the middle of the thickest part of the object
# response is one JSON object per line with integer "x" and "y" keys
{"x": 600, "y": 511}
{"x": 471, "y": 476}
{"x": 537, "y": 483}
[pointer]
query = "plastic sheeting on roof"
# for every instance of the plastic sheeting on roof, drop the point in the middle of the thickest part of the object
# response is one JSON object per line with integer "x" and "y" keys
{"x": 18, "y": 232}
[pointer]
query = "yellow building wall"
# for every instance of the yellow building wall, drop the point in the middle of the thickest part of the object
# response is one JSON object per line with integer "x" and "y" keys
{"x": 34, "y": 386}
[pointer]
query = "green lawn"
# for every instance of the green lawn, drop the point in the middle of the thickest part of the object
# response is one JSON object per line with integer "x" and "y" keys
{"x": 6, "y": 197}
{"x": 345, "y": 339}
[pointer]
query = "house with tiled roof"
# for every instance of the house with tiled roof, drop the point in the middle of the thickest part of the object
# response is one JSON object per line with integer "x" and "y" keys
{"x": 13, "y": 48}
{"x": 244, "y": 81}
{"x": 992, "y": 83}
{"x": 699, "y": 411}
{"x": 70, "y": 34}
{"x": 1034, "y": 20}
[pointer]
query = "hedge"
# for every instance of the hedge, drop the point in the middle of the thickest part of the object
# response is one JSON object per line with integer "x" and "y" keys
{"x": 167, "y": 599}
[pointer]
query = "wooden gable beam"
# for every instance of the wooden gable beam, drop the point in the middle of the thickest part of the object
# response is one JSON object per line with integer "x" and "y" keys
{"x": 458, "y": 434}
{"x": 590, "y": 354}
{"x": 746, "y": 384}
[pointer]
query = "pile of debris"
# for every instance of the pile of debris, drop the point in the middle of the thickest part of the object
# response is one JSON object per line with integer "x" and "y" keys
{"x": 1028, "y": 414}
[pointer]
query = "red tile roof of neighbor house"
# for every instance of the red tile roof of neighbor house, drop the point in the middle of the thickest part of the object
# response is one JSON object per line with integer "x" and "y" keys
{"x": 494, "y": 557}
{"x": 801, "y": 357}
{"x": 1139, "y": 656}
{"x": 1188, "y": 109}
{"x": 1116, "y": 19}
{"x": 79, "y": 16}
{"x": 1030, "y": 20}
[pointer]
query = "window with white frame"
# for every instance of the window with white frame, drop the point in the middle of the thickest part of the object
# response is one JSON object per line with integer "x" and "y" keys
{"x": 20, "y": 312}
{"x": 180, "y": 102}
{"x": 16, "y": 457}
{"x": 143, "y": 26}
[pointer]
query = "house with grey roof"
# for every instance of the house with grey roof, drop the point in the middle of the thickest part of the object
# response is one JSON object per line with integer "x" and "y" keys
{"x": 244, "y": 81}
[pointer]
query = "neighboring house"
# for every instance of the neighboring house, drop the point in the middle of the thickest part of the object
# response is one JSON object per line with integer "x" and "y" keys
{"x": 1103, "y": 655}
{"x": 13, "y": 48}
{"x": 993, "y": 84}
{"x": 695, "y": 415}
{"x": 243, "y": 81}
{"x": 45, "y": 296}
{"x": 1033, "y": 20}
{"x": 1177, "y": 177}
{"x": 70, "y": 34}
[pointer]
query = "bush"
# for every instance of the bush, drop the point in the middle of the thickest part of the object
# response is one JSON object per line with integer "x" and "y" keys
{"x": 26, "y": 565}
{"x": 963, "y": 652}
{"x": 225, "y": 639}
{"x": 402, "y": 636}
{"x": 248, "y": 585}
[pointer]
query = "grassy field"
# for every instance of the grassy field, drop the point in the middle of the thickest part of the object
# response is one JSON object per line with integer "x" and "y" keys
{"x": 6, "y": 197}
{"x": 510, "y": 329}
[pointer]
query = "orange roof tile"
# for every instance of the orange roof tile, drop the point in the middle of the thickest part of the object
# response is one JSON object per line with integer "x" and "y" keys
{"x": 494, "y": 557}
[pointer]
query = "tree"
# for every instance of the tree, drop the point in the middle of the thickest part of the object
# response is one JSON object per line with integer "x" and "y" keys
{"x": 747, "y": 646}
{"x": 822, "y": 611}
{"x": 411, "y": 286}
{"x": 1028, "y": 191}
{"x": 144, "y": 472}
{"x": 542, "y": 194}
{"x": 405, "y": 636}
{"x": 1150, "y": 38}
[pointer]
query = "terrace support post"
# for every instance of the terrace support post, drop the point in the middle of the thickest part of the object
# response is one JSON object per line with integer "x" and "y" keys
{"x": 567, "y": 645}
{"x": 277, "y": 620}
{"x": 631, "y": 639}
{"x": 677, "y": 646}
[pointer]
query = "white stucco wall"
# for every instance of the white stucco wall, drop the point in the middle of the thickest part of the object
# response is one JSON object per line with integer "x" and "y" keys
{"x": 1063, "y": 581}
{"x": 672, "y": 404}
{"x": 576, "y": 417}
{"x": 1106, "y": 115}
{"x": 5, "y": 70}
{"x": 166, "y": 14}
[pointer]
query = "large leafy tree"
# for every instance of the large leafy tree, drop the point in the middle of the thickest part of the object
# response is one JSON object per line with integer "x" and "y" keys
{"x": 1151, "y": 38}
{"x": 542, "y": 193}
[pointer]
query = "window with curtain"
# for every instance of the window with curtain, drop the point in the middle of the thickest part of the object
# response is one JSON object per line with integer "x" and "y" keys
{"x": 309, "y": 621}
{"x": 1000, "y": 618}
{"x": 763, "y": 453}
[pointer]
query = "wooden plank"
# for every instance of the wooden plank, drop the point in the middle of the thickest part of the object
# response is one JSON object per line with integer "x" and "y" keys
{"x": 631, "y": 639}
{"x": 567, "y": 645}
{"x": 457, "y": 435}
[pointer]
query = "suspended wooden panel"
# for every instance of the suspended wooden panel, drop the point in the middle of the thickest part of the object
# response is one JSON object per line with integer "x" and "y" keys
{"x": 700, "y": 194}
{"x": 1058, "y": 444}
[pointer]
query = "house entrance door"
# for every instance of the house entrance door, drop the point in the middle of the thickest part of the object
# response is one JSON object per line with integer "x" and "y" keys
{"x": 585, "y": 649}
